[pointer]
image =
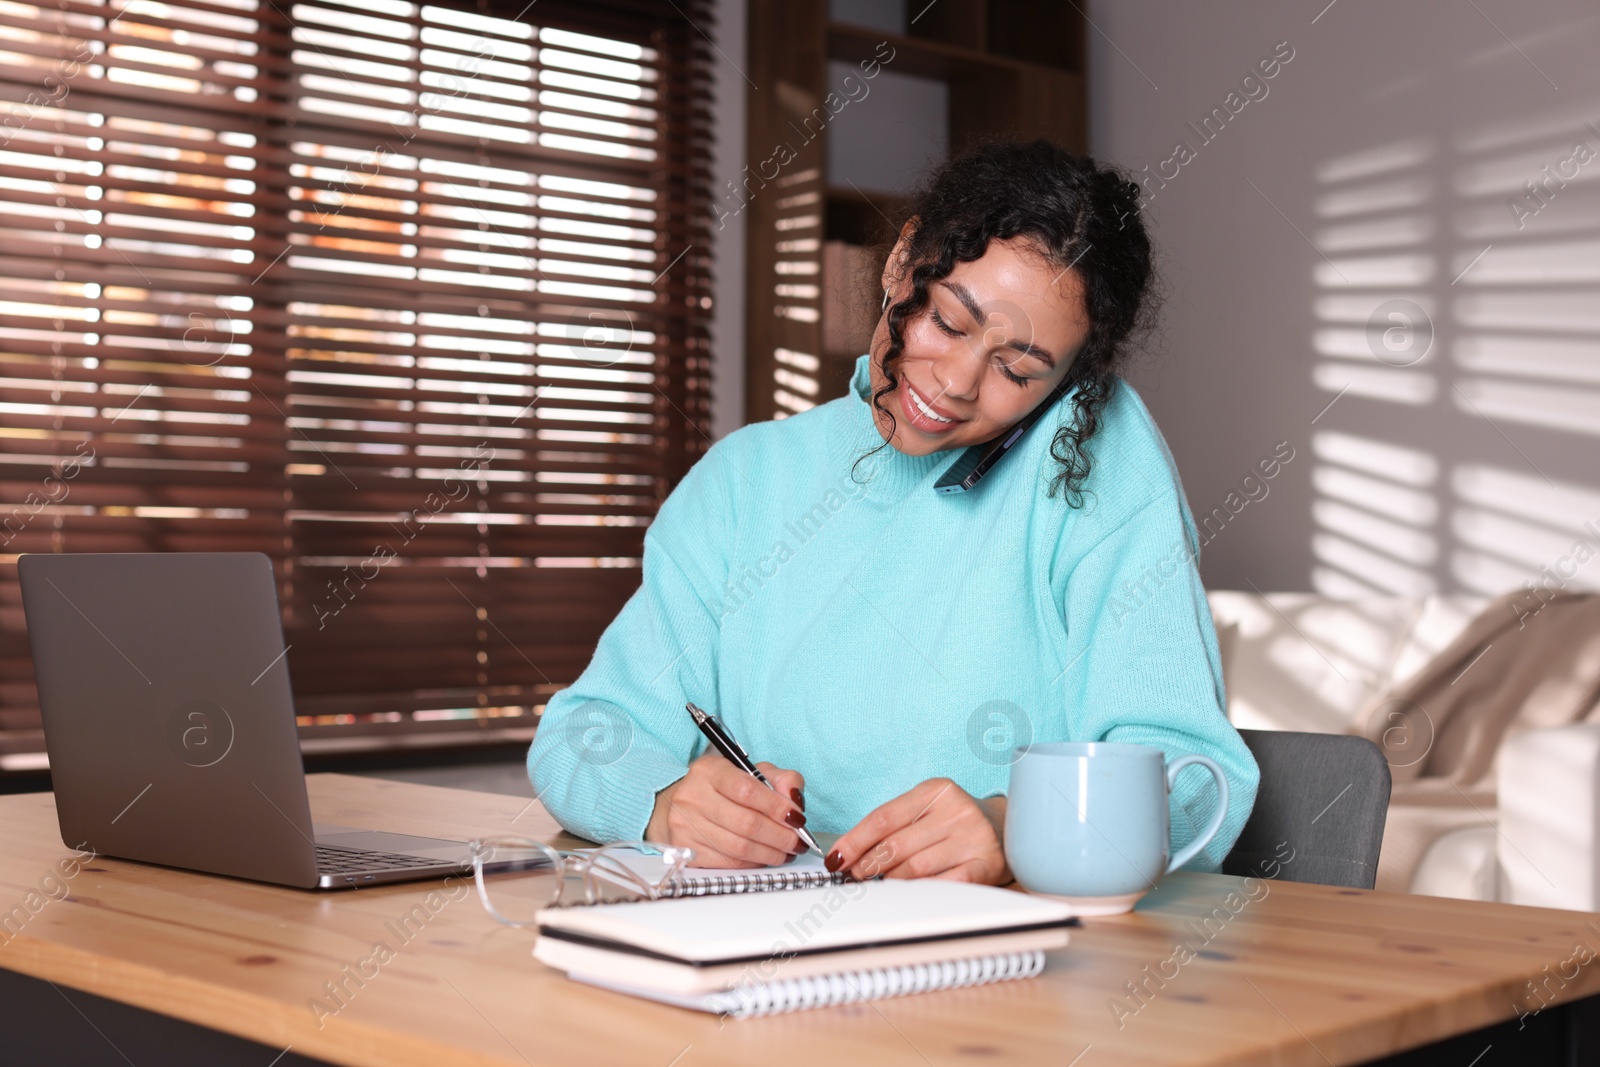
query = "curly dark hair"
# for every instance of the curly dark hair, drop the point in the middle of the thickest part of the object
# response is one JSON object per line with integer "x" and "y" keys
{"x": 1078, "y": 214}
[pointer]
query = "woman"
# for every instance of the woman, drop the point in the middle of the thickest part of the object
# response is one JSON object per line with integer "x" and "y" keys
{"x": 887, "y": 646}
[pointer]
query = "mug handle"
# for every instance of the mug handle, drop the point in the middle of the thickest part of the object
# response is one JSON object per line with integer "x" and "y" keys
{"x": 1189, "y": 851}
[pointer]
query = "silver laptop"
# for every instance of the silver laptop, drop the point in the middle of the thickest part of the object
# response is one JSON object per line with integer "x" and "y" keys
{"x": 169, "y": 722}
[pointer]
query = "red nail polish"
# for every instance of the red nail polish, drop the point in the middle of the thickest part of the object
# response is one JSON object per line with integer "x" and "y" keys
{"x": 799, "y": 799}
{"x": 794, "y": 819}
{"x": 834, "y": 860}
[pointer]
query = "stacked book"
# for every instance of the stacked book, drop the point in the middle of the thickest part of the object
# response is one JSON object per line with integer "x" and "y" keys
{"x": 756, "y": 953}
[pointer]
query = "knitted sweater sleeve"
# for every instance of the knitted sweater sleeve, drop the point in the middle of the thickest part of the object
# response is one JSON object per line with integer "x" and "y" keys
{"x": 1144, "y": 667}
{"x": 608, "y": 743}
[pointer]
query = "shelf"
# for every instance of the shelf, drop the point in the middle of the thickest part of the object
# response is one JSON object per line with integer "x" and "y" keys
{"x": 1011, "y": 69}
{"x": 859, "y": 217}
{"x": 1049, "y": 35}
{"x": 886, "y": 203}
{"x": 922, "y": 56}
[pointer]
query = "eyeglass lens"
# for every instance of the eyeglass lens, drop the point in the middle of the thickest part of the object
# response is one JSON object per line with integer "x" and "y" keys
{"x": 524, "y": 882}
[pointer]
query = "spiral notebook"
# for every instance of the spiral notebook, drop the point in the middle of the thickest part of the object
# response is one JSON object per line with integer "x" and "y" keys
{"x": 804, "y": 871}
{"x": 810, "y": 948}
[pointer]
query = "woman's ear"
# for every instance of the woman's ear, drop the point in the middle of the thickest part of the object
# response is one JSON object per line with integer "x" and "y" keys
{"x": 894, "y": 266}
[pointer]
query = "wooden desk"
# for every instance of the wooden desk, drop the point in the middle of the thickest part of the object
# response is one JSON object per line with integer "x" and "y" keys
{"x": 1303, "y": 975}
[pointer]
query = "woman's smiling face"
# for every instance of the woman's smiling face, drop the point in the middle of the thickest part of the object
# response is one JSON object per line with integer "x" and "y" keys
{"x": 997, "y": 336}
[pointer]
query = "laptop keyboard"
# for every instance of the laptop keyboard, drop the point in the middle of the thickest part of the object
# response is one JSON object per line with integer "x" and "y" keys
{"x": 332, "y": 860}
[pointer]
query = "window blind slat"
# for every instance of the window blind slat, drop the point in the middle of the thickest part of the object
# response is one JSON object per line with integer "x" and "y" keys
{"x": 422, "y": 285}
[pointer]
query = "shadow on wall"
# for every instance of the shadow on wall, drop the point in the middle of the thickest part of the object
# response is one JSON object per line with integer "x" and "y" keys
{"x": 1459, "y": 282}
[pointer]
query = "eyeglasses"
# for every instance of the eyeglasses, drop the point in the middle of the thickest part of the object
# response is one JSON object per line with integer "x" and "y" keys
{"x": 527, "y": 876}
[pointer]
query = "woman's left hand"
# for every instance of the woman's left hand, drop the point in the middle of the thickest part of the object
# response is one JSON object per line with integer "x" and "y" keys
{"x": 936, "y": 830}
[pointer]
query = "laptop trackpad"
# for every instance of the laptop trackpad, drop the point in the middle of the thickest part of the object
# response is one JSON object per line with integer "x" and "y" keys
{"x": 380, "y": 841}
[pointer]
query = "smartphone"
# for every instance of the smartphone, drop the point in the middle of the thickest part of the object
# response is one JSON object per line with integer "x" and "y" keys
{"x": 979, "y": 460}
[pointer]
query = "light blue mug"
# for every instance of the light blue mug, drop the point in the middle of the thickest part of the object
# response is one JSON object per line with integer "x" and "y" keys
{"x": 1088, "y": 822}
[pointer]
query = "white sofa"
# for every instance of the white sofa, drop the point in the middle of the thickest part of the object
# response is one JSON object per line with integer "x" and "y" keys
{"x": 1528, "y": 834}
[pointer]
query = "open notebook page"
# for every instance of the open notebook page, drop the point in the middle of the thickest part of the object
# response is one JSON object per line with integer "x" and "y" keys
{"x": 807, "y": 868}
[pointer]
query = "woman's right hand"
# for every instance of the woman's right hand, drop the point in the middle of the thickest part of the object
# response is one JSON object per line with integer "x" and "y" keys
{"x": 729, "y": 818}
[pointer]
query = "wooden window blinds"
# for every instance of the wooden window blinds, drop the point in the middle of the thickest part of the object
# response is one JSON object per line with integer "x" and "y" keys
{"x": 412, "y": 298}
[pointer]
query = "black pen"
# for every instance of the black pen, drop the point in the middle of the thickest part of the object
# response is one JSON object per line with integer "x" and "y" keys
{"x": 723, "y": 742}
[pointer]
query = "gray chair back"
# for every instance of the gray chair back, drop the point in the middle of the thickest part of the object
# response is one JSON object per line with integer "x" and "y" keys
{"x": 1322, "y": 801}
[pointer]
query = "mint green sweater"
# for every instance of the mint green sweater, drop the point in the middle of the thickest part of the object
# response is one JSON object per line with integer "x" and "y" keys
{"x": 871, "y": 633}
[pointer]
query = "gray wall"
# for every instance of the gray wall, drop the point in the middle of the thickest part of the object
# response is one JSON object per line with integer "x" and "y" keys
{"x": 1310, "y": 243}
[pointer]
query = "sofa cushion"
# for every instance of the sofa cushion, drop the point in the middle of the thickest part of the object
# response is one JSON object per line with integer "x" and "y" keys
{"x": 1300, "y": 661}
{"x": 1461, "y": 863}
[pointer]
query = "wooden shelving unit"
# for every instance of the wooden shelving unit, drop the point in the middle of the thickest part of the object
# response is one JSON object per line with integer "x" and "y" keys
{"x": 1012, "y": 66}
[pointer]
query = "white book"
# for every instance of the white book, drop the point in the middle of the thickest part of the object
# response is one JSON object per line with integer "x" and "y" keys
{"x": 771, "y": 952}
